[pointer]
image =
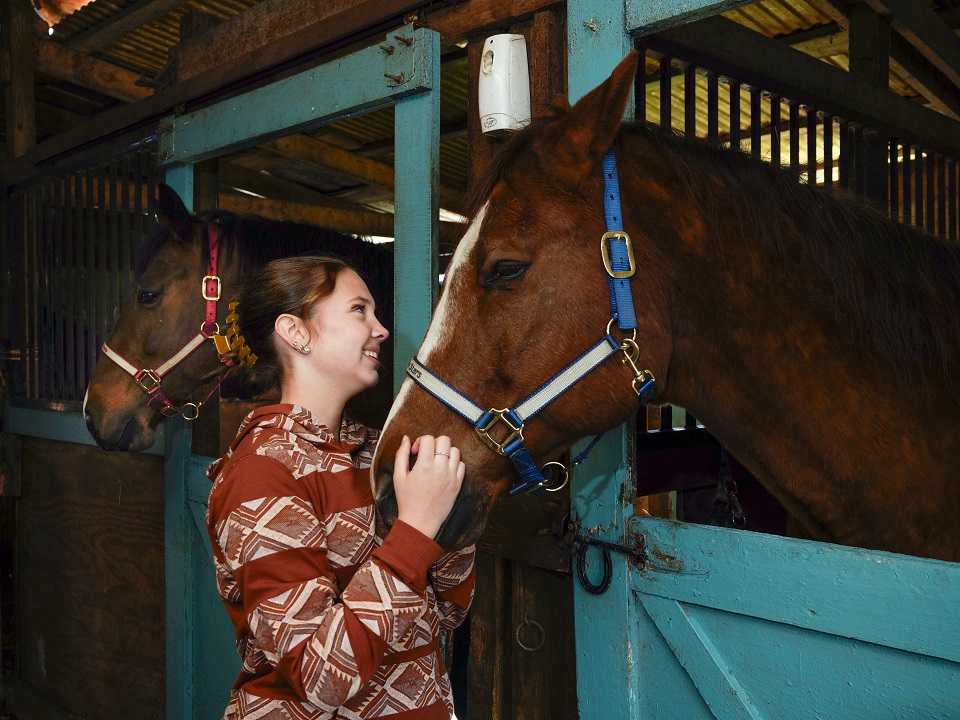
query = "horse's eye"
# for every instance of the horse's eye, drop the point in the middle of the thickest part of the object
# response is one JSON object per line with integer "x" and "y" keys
{"x": 506, "y": 270}
{"x": 148, "y": 297}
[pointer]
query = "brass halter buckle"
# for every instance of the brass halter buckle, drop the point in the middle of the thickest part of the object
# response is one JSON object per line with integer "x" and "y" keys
{"x": 203, "y": 288}
{"x": 499, "y": 416}
{"x": 605, "y": 254}
{"x": 147, "y": 376}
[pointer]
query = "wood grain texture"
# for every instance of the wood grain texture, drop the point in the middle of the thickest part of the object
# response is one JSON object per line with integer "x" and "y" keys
{"x": 90, "y": 588}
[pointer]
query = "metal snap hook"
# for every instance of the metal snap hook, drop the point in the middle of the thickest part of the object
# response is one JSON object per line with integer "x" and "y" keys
{"x": 193, "y": 409}
{"x": 564, "y": 473}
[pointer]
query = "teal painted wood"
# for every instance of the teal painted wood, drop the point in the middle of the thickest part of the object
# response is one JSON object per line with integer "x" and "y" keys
{"x": 216, "y": 662}
{"x": 180, "y": 586}
{"x": 359, "y": 82}
{"x": 178, "y": 535}
{"x": 54, "y": 425}
{"x": 602, "y": 487}
{"x": 647, "y": 16}
{"x": 416, "y": 223}
{"x": 774, "y": 627}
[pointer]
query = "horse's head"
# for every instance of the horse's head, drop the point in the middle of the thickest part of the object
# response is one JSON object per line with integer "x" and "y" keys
{"x": 526, "y": 294}
{"x": 161, "y": 316}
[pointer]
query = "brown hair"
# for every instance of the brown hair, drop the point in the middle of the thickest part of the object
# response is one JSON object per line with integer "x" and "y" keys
{"x": 292, "y": 285}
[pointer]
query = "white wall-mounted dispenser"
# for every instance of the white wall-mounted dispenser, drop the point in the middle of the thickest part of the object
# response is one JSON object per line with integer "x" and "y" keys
{"x": 504, "y": 89}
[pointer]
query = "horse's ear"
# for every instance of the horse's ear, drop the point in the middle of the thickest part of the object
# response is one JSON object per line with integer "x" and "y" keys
{"x": 174, "y": 214}
{"x": 586, "y": 132}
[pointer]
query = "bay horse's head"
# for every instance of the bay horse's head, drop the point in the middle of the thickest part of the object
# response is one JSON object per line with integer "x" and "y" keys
{"x": 163, "y": 329}
{"x": 163, "y": 314}
{"x": 525, "y": 294}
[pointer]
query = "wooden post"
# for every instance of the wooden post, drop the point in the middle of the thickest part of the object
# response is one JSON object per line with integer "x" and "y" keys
{"x": 20, "y": 101}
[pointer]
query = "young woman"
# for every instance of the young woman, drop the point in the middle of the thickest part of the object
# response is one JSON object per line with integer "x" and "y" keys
{"x": 335, "y": 616}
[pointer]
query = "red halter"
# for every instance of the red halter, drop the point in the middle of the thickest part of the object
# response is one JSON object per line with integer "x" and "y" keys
{"x": 149, "y": 380}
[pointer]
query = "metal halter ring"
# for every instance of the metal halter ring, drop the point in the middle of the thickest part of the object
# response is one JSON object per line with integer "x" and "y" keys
{"x": 564, "y": 473}
{"x": 195, "y": 411}
{"x": 633, "y": 337}
{"x": 538, "y": 628}
{"x": 216, "y": 328}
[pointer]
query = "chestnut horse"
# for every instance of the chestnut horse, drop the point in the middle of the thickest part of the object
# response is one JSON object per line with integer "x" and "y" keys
{"x": 816, "y": 339}
{"x": 167, "y": 313}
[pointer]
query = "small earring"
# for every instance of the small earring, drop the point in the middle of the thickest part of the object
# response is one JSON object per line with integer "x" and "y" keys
{"x": 305, "y": 349}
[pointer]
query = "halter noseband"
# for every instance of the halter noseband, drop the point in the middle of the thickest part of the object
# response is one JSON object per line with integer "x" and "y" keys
{"x": 149, "y": 380}
{"x": 616, "y": 251}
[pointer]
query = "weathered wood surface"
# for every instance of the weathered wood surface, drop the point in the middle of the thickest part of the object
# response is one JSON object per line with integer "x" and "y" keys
{"x": 507, "y": 681}
{"x": 90, "y": 587}
{"x": 17, "y": 20}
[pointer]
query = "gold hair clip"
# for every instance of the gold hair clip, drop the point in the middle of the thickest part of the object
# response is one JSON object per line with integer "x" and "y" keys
{"x": 232, "y": 344}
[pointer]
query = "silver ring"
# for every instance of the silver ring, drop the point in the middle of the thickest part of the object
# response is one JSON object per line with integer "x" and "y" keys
{"x": 439, "y": 452}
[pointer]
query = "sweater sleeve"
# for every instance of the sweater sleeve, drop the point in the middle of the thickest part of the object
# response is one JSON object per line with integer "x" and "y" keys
{"x": 324, "y": 643}
{"x": 452, "y": 576}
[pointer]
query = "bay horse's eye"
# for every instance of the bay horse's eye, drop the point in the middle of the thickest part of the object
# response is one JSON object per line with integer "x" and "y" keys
{"x": 506, "y": 270}
{"x": 148, "y": 297}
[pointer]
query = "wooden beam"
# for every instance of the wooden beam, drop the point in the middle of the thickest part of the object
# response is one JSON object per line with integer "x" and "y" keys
{"x": 755, "y": 59}
{"x": 474, "y": 19}
{"x": 869, "y": 50}
{"x": 344, "y": 162}
{"x": 20, "y": 99}
{"x": 927, "y": 32}
{"x": 361, "y": 222}
{"x": 84, "y": 70}
{"x": 122, "y": 23}
{"x": 234, "y": 173}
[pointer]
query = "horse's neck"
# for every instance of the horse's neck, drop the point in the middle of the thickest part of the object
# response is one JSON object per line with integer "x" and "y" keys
{"x": 818, "y": 418}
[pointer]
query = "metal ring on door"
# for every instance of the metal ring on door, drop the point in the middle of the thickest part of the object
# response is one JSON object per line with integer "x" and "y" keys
{"x": 539, "y": 629}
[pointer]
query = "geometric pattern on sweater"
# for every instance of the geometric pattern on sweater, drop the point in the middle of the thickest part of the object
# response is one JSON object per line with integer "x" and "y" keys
{"x": 309, "y": 615}
{"x": 350, "y": 536}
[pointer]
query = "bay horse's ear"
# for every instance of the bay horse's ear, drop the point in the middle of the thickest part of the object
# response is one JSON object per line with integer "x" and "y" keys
{"x": 174, "y": 214}
{"x": 586, "y": 132}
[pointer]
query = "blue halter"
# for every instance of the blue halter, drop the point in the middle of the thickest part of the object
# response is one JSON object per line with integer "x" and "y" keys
{"x": 618, "y": 260}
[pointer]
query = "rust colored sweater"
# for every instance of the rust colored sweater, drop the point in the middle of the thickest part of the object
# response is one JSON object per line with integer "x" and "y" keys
{"x": 334, "y": 617}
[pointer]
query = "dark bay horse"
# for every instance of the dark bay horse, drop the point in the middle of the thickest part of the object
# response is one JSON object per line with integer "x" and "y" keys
{"x": 167, "y": 308}
{"x": 818, "y": 340}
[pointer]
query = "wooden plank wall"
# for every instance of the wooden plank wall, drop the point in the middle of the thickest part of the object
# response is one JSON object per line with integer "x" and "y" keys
{"x": 89, "y": 599}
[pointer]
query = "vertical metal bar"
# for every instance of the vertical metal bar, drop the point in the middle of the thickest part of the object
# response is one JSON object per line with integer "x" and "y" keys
{"x": 56, "y": 270}
{"x": 126, "y": 261}
{"x": 775, "y": 130}
{"x": 811, "y": 146}
{"x": 951, "y": 198}
{"x": 918, "y": 177}
{"x": 46, "y": 334}
{"x": 859, "y": 159}
{"x": 92, "y": 329}
{"x": 930, "y": 189}
{"x": 79, "y": 284}
{"x": 70, "y": 291}
{"x": 735, "y": 114}
{"x": 941, "y": 198}
{"x": 640, "y": 85}
{"x": 906, "y": 166}
{"x": 690, "y": 101}
{"x": 828, "y": 151}
{"x": 756, "y": 122}
{"x": 845, "y": 152}
{"x": 29, "y": 296}
{"x": 113, "y": 219}
{"x": 713, "y": 106}
{"x": 104, "y": 310}
{"x": 666, "y": 93}
{"x": 795, "y": 138}
{"x": 893, "y": 165}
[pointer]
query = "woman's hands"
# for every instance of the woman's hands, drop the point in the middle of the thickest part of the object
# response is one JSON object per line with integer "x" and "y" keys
{"x": 426, "y": 492}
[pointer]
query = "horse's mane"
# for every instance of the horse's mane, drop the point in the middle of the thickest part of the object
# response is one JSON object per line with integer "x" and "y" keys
{"x": 257, "y": 240}
{"x": 893, "y": 285}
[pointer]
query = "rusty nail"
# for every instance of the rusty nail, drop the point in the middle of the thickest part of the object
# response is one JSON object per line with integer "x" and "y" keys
{"x": 398, "y": 79}
{"x": 388, "y": 49}
{"x": 405, "y": 40}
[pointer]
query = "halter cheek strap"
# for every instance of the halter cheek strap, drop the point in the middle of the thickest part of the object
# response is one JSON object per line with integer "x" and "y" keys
{"x": 616, "y": 251}
{"x": 149, "y": 379}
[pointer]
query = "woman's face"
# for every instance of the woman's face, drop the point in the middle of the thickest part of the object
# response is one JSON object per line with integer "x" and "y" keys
{"x": 346, "y": 335}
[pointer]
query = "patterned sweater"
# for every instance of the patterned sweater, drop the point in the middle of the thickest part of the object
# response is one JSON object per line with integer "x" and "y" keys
{"x": 335, "y": 617}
